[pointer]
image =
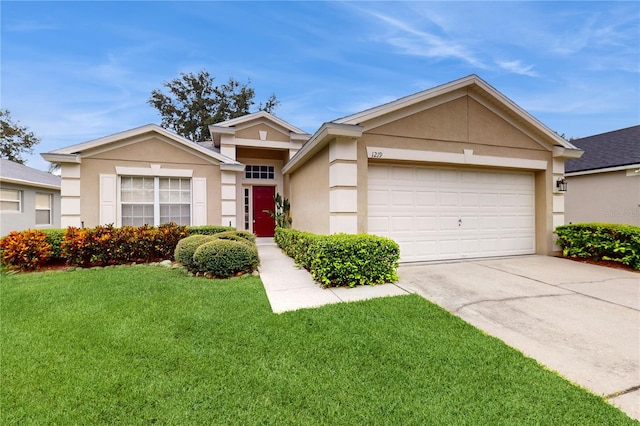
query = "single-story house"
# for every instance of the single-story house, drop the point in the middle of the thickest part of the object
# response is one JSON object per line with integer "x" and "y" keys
{"x": 604, "y": 184}
{"x": 29, "y": 198}
{"x": 456, "y": 171}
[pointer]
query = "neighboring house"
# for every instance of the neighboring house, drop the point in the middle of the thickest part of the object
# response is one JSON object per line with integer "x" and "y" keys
{"x": 604, "y": 184}
{"x": 457, "y": 171}
{"x": 29, "y": 198}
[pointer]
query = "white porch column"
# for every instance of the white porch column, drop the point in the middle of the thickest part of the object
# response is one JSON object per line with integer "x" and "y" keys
{"x": 70, "y": 214}
{"x": 343, "y": 183}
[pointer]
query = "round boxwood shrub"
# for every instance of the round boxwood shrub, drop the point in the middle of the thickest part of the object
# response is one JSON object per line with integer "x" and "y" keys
{"x": 224, "y": 258}
{"x": 186, "y": 247}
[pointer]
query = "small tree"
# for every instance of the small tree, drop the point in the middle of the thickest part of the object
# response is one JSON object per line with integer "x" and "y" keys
{"x": 15, "y": 140}
{"x": 194, "y": 102}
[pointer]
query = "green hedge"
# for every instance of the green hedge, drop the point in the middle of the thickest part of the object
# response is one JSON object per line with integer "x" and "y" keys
{"x": 208, "y": 229}
{"x": 340, "y": 259}
{"x": 601, "y": 241}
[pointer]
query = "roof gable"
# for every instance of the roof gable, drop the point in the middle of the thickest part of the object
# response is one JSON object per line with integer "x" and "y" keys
{"x": 471, "y": 85}
{"x": 256, "y": 116}
{"x": 73, "y": 153}
{"x": 606, "y": 150}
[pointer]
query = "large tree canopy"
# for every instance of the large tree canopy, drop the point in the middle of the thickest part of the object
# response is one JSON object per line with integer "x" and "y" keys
{"x": 193, "y": 102}
{"x": 15, "y": 140}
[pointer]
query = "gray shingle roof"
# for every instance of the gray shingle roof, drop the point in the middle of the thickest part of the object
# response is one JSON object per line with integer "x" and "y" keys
{"x": 611, "y": 149}
{"x": 18, "y": 172}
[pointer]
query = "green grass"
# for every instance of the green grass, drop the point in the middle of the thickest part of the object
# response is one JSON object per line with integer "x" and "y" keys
{"x": 145, "y": 344}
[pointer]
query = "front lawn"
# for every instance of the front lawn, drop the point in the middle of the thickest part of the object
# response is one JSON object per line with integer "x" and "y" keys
{"x": 146, "y": 344}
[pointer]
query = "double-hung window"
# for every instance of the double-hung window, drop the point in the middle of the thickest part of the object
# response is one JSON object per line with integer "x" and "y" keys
{"x": 43, "y": 208}
{"x": 155, "y": 200}
{"x": 10, "y": 200}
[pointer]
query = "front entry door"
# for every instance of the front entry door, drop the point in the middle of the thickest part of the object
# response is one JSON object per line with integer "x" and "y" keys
{"x": 263, "y": 203}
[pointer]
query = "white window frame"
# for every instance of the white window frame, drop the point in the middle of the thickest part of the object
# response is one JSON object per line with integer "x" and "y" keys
{"x": 18, "y": 201}
{"x": 50, "y": 209}
{"x": 156, "y": 197}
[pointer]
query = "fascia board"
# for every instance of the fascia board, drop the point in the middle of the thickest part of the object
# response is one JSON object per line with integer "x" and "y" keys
{"x": 217, "y": 129}
{"x": 318, "y": 141}
{"x": 604, "y": 170}
{"x": 56, "y": 158}
{"x": 29, "y": 183}
{"x": 567, "y": 153}
{"x": 238, "y": 167}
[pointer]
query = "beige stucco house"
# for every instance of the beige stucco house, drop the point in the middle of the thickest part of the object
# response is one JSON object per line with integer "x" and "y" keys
{"x": 457, "y": 171}
{"x": 604, "y": 184}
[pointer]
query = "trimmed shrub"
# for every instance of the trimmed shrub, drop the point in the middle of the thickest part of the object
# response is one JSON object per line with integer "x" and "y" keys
{"x": 26, "y": 250}
{"x": 350, "y": 260}
{"x": 166, "y": 238}
{"x": 75, "y": 247}
{"x": 186, "y": 247}
{"x": 601, "y": 241}
{"x": 296, "y": 244}
{"x": 341, "y": 259}
{"x": 208, "y": 229}
{"x": 107, "y": 245}
{"x": 55, "y": 236}
{"x": 224, "y": 258}
{"x": 236, "y": 236}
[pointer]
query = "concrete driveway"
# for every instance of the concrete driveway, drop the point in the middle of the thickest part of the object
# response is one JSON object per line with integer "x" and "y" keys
{"x": 580, "y": 320}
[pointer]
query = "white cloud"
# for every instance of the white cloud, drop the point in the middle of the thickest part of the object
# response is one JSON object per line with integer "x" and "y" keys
{"x": 518, "y": 68}
{"x": 412, "y": 41}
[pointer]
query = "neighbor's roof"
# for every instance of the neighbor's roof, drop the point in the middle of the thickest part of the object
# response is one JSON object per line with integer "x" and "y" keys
{"x": 607, "y": 150}
{"x": 17, "y": 173}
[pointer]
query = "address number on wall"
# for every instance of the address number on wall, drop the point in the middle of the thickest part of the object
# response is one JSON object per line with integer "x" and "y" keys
{"x": 376, "y": 154}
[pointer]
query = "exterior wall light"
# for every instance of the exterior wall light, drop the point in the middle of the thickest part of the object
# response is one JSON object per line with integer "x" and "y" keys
{"x": 561, "y": 184}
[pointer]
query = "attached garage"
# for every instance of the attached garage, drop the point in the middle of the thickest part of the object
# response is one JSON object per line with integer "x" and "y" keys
{"x": 458, "y": 171}
{"x": 440, "y": 213}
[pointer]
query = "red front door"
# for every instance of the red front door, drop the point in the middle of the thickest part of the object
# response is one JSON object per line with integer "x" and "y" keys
{"x": 263, "y": 203}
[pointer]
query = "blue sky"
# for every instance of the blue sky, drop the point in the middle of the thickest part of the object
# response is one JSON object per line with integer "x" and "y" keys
{"x": 75, "y": 71}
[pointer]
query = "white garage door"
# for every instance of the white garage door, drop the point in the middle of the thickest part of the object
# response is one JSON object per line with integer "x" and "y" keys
{"x": 441, "y": 213}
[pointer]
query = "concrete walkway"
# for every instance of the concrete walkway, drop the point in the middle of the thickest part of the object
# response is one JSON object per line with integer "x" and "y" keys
{"x": 289, "y": 287}
{"x": 580, "y": 320}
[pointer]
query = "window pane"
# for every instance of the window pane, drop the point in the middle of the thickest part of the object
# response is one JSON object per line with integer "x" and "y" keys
{"x": 43, "y": 201}
{"x": 43, "y": 217}
{"x": 10, "y": 206}
{"x": 10, "y": 194}
{"x": 178, "y": 213}
{"x": 137, "y": 214}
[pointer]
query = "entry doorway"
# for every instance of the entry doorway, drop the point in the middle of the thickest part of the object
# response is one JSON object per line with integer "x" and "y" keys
{"x": 263, "y": 203}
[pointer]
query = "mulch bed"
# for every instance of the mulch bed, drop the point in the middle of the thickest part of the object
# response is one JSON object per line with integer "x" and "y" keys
{"x": 606, "y": 263}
